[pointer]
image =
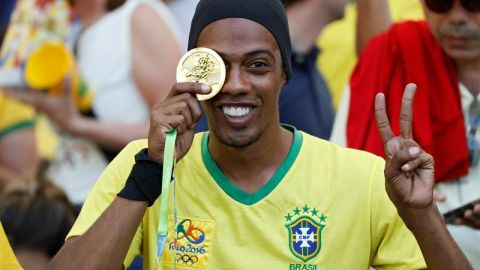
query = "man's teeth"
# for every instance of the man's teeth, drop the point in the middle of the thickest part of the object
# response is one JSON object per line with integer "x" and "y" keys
{"x": 236, "y": 111}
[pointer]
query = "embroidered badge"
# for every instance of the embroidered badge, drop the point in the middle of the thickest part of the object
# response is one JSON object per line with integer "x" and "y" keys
{"x": 305, "y": 227}
{"x": 191, "y": 245}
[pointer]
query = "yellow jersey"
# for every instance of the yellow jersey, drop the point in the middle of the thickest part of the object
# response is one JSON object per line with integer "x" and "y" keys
{"x": 8, "y": 261}
{"x": 325, "y": 208}
{"x": 14, "y": 115}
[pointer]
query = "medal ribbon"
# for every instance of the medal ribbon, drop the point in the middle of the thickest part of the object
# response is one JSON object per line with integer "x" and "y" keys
{"x": 167, "y": 175}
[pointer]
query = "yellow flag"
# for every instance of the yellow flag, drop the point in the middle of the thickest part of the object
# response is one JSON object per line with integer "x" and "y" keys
{"x": 8, "y": 261}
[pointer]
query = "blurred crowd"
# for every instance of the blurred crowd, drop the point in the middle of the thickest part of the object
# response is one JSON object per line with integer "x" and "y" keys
{"x": 78, "y": 79}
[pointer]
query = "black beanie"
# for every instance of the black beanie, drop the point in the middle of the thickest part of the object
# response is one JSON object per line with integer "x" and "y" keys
{"x": 269, "y": 13}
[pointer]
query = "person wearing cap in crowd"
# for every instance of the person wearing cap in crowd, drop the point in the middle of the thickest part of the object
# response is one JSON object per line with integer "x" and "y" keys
{"x": 305, "y": 100}
{"x": 442, "y": 56}
{"x": 251, "y": 193}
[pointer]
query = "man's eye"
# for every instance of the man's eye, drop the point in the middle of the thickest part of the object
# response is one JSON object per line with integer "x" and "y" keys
{"x": 258, "y": 65}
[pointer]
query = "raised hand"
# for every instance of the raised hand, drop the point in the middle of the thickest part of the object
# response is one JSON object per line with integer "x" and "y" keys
{"x": 409, "y": 171}
{"x": 60, "y": 108}
{"x": 179, "y": 110}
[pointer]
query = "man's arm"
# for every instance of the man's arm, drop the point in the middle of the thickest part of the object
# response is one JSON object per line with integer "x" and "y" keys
{"x": 106, "y": 243}
{"x": 409, "y": 175}
{"x": 373, "y": 17}
{"x": 438, "y": 247}
{"x": 155, "y": 54}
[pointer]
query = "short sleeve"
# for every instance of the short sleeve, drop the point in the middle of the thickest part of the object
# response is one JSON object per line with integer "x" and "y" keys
{"x": 393, "y": 246}
{"x": 14, "y": 115}
{"x": 110, "y": 182}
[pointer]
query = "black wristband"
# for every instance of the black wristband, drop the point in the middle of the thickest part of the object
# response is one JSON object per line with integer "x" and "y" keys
{"x": 145, "y": 180}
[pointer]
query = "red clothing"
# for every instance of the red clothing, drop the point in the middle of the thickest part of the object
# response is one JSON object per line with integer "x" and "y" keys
{"x": 409, "y": 53}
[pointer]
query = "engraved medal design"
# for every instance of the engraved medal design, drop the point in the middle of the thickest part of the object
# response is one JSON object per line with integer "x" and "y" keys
{"x": 202, "y": 65}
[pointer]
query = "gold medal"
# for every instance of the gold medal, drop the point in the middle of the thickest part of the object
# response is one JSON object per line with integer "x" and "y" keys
{"x": 202, "y": 65}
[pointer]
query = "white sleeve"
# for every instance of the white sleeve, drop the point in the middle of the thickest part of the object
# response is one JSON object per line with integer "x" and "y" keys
{"x": 339, "y": 132}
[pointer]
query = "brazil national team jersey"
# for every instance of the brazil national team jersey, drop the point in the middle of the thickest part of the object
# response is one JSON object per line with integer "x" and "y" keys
{"x": 325, "y": 208}
{"x": 14, "y": 115}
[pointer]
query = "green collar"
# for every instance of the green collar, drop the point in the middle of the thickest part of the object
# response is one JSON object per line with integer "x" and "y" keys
{"x": 240, "y": 195}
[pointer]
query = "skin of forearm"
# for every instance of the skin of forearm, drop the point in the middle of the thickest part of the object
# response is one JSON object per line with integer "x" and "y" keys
{"x": 105, "y": 245}
{"x": 306, "y": 22}
{"x": 373, "y": 17}
{"x": 438, "y": 247}
{"x": 112, "y": 136}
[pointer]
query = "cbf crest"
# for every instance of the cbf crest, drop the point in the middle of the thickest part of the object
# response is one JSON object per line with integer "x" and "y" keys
{"x": 305, "y": 226}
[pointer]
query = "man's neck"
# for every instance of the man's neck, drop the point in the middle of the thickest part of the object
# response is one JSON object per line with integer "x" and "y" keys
{"x": 469, "y": 75}
{"x": 250, "y": 168}
{"x": 306, "y": 20}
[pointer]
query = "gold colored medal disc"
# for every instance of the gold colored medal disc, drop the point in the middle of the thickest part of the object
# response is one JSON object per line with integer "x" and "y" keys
{"x": 202, "y": 65}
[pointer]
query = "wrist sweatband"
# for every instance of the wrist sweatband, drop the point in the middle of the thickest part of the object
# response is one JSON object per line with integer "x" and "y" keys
{"x": 145, "y": 180}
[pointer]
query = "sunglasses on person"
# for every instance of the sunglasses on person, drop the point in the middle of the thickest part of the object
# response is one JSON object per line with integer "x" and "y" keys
{"x": 444, "y": 6}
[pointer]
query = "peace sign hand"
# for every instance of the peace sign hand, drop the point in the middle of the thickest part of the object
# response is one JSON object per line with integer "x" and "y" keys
{"x": 409, "y": 171}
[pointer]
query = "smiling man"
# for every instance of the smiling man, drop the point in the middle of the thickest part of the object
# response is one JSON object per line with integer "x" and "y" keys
{"x": 251, "y": 193}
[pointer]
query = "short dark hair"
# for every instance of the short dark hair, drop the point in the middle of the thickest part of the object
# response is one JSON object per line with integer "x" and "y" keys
{"x": 36, "y": 217}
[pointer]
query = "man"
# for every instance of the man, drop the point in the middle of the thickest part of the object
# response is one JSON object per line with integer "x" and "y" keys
{"x": 442, "y": 56}
{"x": 305, "y": 101}
{"x": 252, "y": 194}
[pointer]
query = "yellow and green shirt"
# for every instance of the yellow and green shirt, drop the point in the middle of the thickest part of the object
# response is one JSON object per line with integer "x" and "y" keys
{"x": 325, "y": 208}
{"x": 8, "y": 261}
{"x": 14, "y": 115}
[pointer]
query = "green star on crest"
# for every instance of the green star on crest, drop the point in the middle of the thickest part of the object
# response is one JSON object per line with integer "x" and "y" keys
{"x": 296, "y": 211}
{"x": 306, "y": 209}
{"x": 288, "y": 217}
{"x": 323, "y": 218}
{"x": 314, "y": 212}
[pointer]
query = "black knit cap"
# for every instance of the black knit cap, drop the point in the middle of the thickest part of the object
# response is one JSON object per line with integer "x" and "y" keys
{"x": 269, "y": 13}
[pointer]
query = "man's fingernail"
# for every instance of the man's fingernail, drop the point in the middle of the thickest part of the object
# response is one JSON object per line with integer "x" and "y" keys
{"x": 205, "y": 88}
{"x": 414, "y": 151}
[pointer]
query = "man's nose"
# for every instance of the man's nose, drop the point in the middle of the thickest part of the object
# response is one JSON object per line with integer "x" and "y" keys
{"x": 236, "y": 82}
{"x": 458, "y": 15}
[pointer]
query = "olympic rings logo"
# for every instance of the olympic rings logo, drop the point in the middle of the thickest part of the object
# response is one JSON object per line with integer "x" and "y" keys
{"x": 187, "y": 259}
{"x": 193, "y": 234}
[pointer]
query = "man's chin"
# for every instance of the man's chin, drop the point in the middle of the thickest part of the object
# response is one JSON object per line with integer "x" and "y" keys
{"x": 462, "y": 54}
{"x": 238, "y": 139}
